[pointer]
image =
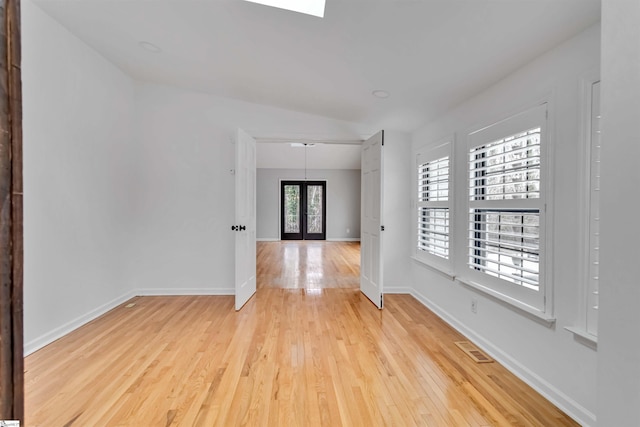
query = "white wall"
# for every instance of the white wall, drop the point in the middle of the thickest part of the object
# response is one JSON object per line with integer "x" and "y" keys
{"x": 128, "y": 186}
{"x": 186, "y": 204}
{"x": 549, "y": 358}
{"x": 78, "y": 118}
{"x": 396, "y": 211}
{"x": 343, "y": 201}
{"x": 619, "y": 313}
{"x": 128, "y": 190}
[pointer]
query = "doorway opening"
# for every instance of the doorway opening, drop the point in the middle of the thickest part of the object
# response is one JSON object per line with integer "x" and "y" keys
{"x": 310, "y": 265}
{"x": 303, "y": 210}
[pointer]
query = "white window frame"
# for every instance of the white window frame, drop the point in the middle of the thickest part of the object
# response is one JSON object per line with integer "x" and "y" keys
{"x": 587, "y": 325}
{"x": 441, "y": 149}
{"x": 531, "y": 301}
{"x": 593, "y": 247}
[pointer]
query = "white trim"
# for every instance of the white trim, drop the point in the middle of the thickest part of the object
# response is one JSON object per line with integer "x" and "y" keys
{"x": 144, "y": 292}
{"x": 584, "y": 335}
{"x": 284, "y": 140}
{"x": 511, "y": 301}
{"x": 547, "y": 219}
{"x": 584, "y": 198}
{"x": 444, "y": 147}
{"x": 397, "y": 290}
{"x": 354, "y": 138}
{"x": 436, "y": 151}
{"x": 59, "y": 332}
{"x": 331, "y": 239}
{"x": 508, "y": 125}
{"x": 438, "y": 269}
{"x": 565, "y": 403}
{"x": 539, "y": 303}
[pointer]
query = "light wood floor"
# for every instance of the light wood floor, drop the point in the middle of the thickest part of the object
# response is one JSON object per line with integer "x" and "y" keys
{"x": 310, "y": 356}
{"x": 311, "y": 265}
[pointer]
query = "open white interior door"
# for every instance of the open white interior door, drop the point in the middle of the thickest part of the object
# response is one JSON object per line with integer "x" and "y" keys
{"x": 371, "y": 219}
{"x": 245, "y": 224}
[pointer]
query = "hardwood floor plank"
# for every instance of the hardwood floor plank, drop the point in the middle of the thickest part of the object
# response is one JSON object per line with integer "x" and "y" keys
{"x": 308, "y": 350}
{"x": 311, "y": 265}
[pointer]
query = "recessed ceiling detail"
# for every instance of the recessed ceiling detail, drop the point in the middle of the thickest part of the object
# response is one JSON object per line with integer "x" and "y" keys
{"x": 309, "y": 7}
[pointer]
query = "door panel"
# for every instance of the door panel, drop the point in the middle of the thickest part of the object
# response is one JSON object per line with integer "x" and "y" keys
{"x": 303, "y": 210}
{"x": 245, "y": 218}
{"x": 291, "y": 210}
{"x": 315, "y": 211}
{"x": 371, "y": 237}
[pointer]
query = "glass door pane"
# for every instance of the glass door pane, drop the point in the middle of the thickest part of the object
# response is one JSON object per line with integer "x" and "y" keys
{"x": 314, "y": 209}
{"x": 303, "y": 210}
{"x": 292, "y": 208}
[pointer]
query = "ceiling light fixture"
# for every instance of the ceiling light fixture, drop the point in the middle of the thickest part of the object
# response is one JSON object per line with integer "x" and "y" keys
{"x": 305, "y": 161}
{"x": 381, "y": 94}
{"x": 305, "y": 145}
{"x": 150, "y": 47}
{"x": 309, "y": 7}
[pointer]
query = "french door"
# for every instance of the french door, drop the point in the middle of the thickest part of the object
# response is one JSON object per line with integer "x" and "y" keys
{"x": 303, "y": 210}
{"x": 371, "y": 235}
{"x": 245, "y": 218}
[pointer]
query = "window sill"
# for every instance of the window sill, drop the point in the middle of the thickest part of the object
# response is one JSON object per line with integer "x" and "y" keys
{"x": 440, "y": 270}
{"x": 531, "y": 312}
{"x": 583, "y": 336}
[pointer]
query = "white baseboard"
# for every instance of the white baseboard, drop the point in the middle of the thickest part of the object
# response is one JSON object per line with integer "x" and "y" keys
{"x": 59, "y": 332}
{"x": 397, "y": 290}
{"x": 569, "y": 406}
{"x": 145, "y": 292}
{"x": 45, "y": 339}
{"x": 561, "y": 400}
{"x": 337, "y": 239}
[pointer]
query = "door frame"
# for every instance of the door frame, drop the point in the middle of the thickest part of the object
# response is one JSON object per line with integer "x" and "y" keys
{"x": 11, "y": 227}
{"x": 302, "y": 235}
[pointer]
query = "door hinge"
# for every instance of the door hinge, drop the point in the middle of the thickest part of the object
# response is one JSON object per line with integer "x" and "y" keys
{"x": 382, "y": 228}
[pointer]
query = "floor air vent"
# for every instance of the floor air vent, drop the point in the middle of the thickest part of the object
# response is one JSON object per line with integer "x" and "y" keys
{"x": 473, "y": 352}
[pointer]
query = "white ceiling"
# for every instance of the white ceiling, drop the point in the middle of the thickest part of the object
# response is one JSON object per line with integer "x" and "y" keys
{"x": 429, "y": 54}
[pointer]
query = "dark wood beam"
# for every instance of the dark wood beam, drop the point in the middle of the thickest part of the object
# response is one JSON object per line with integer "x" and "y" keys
{"x": 11, "y": 229}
